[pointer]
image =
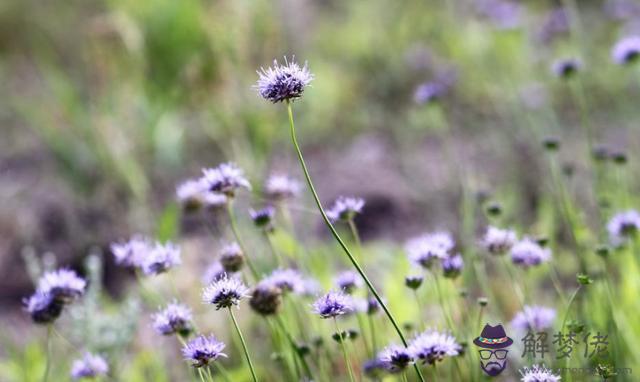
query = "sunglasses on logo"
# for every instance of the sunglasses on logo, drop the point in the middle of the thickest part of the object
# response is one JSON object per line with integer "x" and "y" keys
{"x": 500, "y": 353}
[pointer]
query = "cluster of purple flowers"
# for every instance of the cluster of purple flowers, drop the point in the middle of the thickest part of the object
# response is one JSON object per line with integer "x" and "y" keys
{"x": 89, "y": 366}
{"x": 283, "y": 82}
{"x": 431, "y": 248}
{"x": 345, "y": 208}
{"x": 151, "y": 258}
{"x": 55, "y": 290}
{"x": 622, "y": 226}
{"x": 498, "y": 241}
{"x": 174, "y": 319}
{"x": 528, "y": 253}
{"x": 536, "y": 318}
{"x": 333, "y": 304}
{"x": 202, "y": 350}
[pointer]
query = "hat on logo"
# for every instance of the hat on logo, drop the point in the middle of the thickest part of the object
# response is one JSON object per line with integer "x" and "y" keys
{"x": 493, "y": 337}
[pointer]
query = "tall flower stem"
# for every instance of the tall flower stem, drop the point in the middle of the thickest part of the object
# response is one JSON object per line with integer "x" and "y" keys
{"x": 236, "y": 234}
{"x": 244, "y": 346}
{"x": 344, "y": 350}
{"x": 293, "y": 345}
{"x": 337, "y": 236}
{"x": 47, "y": 367}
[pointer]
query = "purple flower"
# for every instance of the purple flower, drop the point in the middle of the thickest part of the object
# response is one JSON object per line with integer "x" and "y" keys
{"x": 452, "y": 266}
{"x": 348, "y": 281}
{"x": 333, "y": 304}
{"x": 622, "y": 225}
{"x": 413, "y": 281}
{"x": 42, "y": 307}
{"x": 214, "y": 272}
{"x": 161, "y": 258}
{"x": 283, "y": 82}
{"x": 288, "y": 280}
{"x": 266, "y": 299}
{"x": 89, "y": 366}
{"x": 225, "y": 292}
{"x": 527, "y": 253}
{"x": 131, "y": 253}
{"x": 280, "y": 187}
{"x": 424, "y": 250}
{"x": 626, "y": 50}
{"x": 373, "y": 368}
{"x": 566, "y": 67}
{"x": 231, "y": 257}
{"x": 190, "y": 193}
{"x": 502, "y": 14}
{"x": 432, "y": 346}
{"x": 538, "y": 373}
{"x": 202, "y": 350}
{"x": 428, "y": 92}
{"x": 64, "y": 285}
{"x": 395, "y": 358}
{"x": 175, "y": 318}
{"x": 225, "y": 179}
{"x": 263, "y": 217}
{"x": 499, "y": 241}
{"x": 345, "y": 208}
{"x": 536, "y": 318}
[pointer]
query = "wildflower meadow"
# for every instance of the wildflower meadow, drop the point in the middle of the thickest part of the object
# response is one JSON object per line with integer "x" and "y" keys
{"x": 319, "y": 190}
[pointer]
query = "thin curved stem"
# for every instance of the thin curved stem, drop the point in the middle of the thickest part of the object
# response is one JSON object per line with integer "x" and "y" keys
{"x": 47, "y": 367}
{"x": 335, "y": 234}
{"x": 244, "y": 346}
{"x": 236, "y": 234}
{"x": 344, "y": 350}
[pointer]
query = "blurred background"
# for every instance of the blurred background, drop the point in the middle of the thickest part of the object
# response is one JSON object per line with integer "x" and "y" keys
{"x": 106, "y": 105}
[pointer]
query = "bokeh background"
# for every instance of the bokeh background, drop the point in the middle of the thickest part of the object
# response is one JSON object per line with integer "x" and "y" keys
{"x": 106, "y": 105}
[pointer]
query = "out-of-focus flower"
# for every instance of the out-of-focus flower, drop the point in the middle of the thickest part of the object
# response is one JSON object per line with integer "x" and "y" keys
{"x": 413, "y": 281}
{"x": 536, "y": 318}
{"x": 131, "y": 253}
{"x": 425, "y": 249}
{"x": 283, "y": 82}
{"x": 175, "y": 318}
{"x": 345, "y": 208}
{"x": 263, "y": 217}
{"x": 280, "y": 187}
{"x": 348, "y": 281}
{"x": 566, "y": 67}
{"x": 225, "y": 292}
{"x": 499, "y": 241}
{"x": 43, "y": 308}
{"x": 373, "y": 368}
{"x": 622, "y": 9}
{"x": 395, "y": 358}
{"x": 214, "y": 272}
{"x": 202, "y": 350}
{"x": 231, "y": 257}
{"x": 428, "y": 92}
{"x": 226, "y": 179}
{"x": 333, "y": 304}
{"x": 161, "y": 258}
{"x": 190, "y": 194}
{"x": 626, "y": 50}
{"x": 266, "y": 299}
{"x": 555, "y": 23}
{"x": 502, "y": 14}
{"x": 538, "y": 373}
{"x": 452, "y": 266}
{"x": 89, "y": 366}
{"x": 64, "y": 285}
{"x": 527, "y": 253}
{"x": 623, "y": 225}
{"x": 432, "y": 346}
{"x": 288, "y": 280}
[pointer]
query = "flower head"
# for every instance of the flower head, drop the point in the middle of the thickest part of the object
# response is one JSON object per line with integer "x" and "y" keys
{"x": 283, "y": 82}
{"x": 161, "y": 258}
{"x": 395, "y": 358}
{"x": 280, "y": 187}
{"x": 537, "y": 318}
{"x": 432, "y": 346}
{"x": 225, "y": 292}
{"x": 429, "y": 92}
{"x": 566, "y": 67}
{"x": 225, "y": 179}
{"x": 42, "y": 307}
{"x": 231, "y": 257}
{"x": 89, "y": 366}
{"x": 538, "y": 373}
{"x": 131, "y": 253}
{"x": 528, "y": 253}
{"x": 215, "y": 271}
{"x": 413, "y": 281}
{"x": 64, "y": 285}
{"x": 175, "y": 318}
{"x": 498, "y": 241}
{"x": 622, "y": 225}
{"x": 263, "y": 217}
{"x": 424, "y": 250}
{"x": 626, "y": 50}
{"x": 202, "y": 350}
{"x": 287, "y": 279}
{"x": 345, "y": 208}
{"x": 190, "y": 193}
{"x": 333, "y": 304}
{"x": 266, "y": 299}
{"x": 348, "y": 281}
{"x": 452, "y": 266}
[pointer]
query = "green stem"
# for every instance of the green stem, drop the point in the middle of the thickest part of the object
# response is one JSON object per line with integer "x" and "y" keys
{"x": 344, "y": 350}
{"x": 236, "y": 234}
{"x": 294, "y": 347}
{"x": 372, "y": 328}
{"x": 244, "y": 346}
{"x": 274, "y": 251}
{"x": 337, "y": 236}
{"x": 47, "y": 367}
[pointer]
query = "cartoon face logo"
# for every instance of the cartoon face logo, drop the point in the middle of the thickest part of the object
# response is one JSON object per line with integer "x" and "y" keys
{"x": 493, "y": 342}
